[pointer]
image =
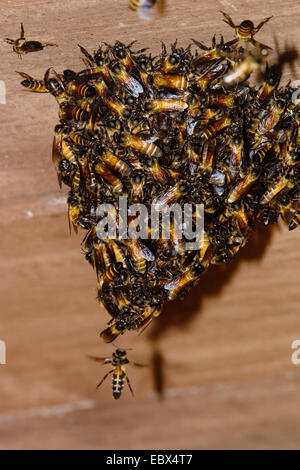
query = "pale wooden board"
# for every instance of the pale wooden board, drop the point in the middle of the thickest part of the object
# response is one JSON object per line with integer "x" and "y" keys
{"x": 220, "y": 359}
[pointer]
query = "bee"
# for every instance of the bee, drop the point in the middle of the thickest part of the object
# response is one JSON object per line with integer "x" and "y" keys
{"x": 144, "y": 7}
{"x": 212, "y": 73}
{"x": 118, "y": 361}
{"x": 97, "y": 68}
{"x": 172, "y": 194}
{"x": 137, "y": 186}
{"x": 22, "y": 46}
{"x": 176, "y": 82}
{"x": 246, "y": 30}
{"x": 181, "y": 282}
{"x": 110, "y": 178}
{"x": 242, "y": 70}
{"x": 141, "y": 145}
{"x": 211, "y": 54}
{"x": 157, "y": 171}
{"x": 123, "y": 55}
{"x": 243, "y": 185}
{"x": 113, "y": 272}
{"x": 139, "y": 255}
{"x": 273, "y": 117}
{"x": 132, "y": 85}
{"x": 115, "y": 164}
{"x": 271, "y": 81}
{"x": 175, "y": 60}
{"x": 32, "y": 84}
{"x": 112, "y": 332}
{"x": 218, "y": 100}
{"x": 236, "y": 144}
{"x": 110, "y": 100}
{"x": 274, "y": 190}
{"x": 76, "y": 213}
{"x": 213, "y": 129}
{"x": 80, "y": 90}
{"x": 165, "y": 105}
{"x": 69, "y": 111}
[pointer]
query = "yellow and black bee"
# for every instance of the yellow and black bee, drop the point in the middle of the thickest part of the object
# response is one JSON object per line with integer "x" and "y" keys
{"x": 118, "y": 360}
{"x": 23, "y": 46}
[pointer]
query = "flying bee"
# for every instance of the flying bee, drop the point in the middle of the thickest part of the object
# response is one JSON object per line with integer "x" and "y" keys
{"x": 22, "y": 46}
{"x": 32, "y": 84}
{"x": 243, "y": 69}
{"x": 172, "y": 194}
{"x": 112, "y": 180}
{"x": 144, "y": 7}
{"x": 69, "y": 111}
{"x": 176, "y": 82}
{"x": 213, "y": 129}
{"x": 246, "y": 30}
{"x": 165, "y": 105}
{"x": 131, "y": 84}
{"x": 141, "y": 145}
{"x": 118, "y": 361}
{"x": 271, "y": 82}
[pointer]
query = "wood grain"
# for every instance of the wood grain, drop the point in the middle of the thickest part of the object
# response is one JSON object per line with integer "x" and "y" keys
{"x": 220, "y": 374}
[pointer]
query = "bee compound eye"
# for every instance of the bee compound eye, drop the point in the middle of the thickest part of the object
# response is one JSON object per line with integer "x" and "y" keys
{"x": 173, "y": 59}
{"x": 121, "y": 325}
{"x": 126, "y": 113}
{"x": 148, "y": 106}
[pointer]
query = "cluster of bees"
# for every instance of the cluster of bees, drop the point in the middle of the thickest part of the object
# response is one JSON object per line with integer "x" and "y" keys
{"x": 181, "y": 127}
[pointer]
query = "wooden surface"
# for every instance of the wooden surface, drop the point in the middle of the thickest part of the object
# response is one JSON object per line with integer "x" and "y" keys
{"x": 220, "y": 374}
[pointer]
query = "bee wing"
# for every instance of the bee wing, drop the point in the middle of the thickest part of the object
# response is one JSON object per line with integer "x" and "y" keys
{"x": 144, "y": 9}
{"x": 147, "y": 253}
{"x": 138, "y": 364}
{"x": 133, "y": 86}
{"x": 102, "y": 360}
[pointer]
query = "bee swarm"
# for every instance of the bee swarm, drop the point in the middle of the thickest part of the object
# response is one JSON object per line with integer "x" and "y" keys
{"x": 184, "y": 127}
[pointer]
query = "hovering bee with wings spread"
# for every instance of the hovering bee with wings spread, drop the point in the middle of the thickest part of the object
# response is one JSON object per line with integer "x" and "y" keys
{"x": 118, "y": 361}
{"x": 22, "y": 46}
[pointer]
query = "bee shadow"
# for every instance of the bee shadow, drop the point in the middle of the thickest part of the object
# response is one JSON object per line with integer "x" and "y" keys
{"x": 179, "y": 313}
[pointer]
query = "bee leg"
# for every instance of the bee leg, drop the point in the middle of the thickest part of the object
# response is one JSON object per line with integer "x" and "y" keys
{"x": 228, "y": 20}
{"x": 259, "y": 45}
{"x": 9, "y": 41}
{"x": 129, "y": 385}
{"x": 22, "y": 32}
{"x": 264, "y": 21}
{"x": 102, "y": 380}
{"x": 45, "y": 44}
